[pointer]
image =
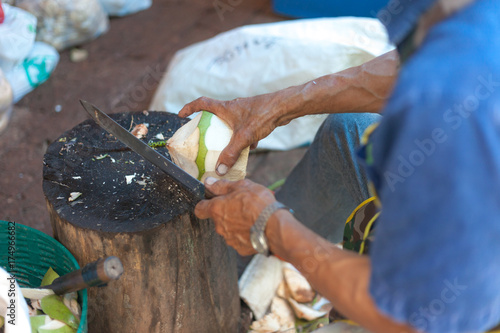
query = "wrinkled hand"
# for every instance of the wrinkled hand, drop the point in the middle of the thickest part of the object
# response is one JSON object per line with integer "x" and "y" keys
{"x": 251, "y": 120}
{"x": 234, "y": 210}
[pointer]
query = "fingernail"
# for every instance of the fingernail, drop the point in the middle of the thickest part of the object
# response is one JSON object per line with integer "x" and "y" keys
{"x": 210, "y": 180}
{"x": 222, "y": 169}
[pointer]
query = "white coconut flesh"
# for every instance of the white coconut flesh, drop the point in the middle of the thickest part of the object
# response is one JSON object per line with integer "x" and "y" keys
{"x": 55, "y": 326}
{"x": 305, "y": 312}
{"x": 34, "y": 293}
{"x": 196, "y": 147}
{"x": 38, "y": 321}
{"x": 218, "y": 135}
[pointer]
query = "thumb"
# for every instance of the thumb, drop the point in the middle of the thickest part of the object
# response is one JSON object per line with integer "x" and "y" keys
{"x": 230, "y": 155}
{"x": 202, "y": 210}
{"x": 219, "y": 187}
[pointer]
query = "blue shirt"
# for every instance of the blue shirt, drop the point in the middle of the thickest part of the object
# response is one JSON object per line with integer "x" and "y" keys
{"x": 401, "y": 16}
{"x": 436, "y": 170}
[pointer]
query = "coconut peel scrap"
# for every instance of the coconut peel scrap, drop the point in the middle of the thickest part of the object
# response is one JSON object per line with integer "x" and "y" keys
{"x": 298, "y": 285}
{"x": 197, "y": 145}
{"x": 305, "y": 312}
{"x": 140, "y": 131}
{"x": 294, "y": 300}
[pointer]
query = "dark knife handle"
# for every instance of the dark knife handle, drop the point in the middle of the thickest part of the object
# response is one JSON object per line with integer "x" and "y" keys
{"x": 96, "y": 273}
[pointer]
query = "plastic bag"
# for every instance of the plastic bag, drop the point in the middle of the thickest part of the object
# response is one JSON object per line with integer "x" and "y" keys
{"x": 263, "y": 58}
{"x": 33, "y": 71}
{"x": 17, "y": 35}
{"x": 13, "y": 306}
{"x": 66, "y": 23}
{"x": 5, "y": 101}
{"x": 124, "y": 7}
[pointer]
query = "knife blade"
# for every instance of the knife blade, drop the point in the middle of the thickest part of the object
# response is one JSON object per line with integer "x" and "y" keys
{"x": 188, "y": 182}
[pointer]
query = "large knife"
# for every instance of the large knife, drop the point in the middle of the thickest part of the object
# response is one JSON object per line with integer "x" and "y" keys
{"x": 97, "y": 273}
{"x": 192, "y": 185}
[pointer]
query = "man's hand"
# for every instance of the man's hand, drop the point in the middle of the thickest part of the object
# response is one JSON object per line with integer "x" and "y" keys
{"x": 234, "y": 210}
{"x": 251, "y": 120}
{"x": 357, "y": 89}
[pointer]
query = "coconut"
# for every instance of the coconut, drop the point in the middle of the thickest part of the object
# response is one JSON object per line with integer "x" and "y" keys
{"x": 35, "y": 293}
{"x": 298, "y": 285}
{"x": 140, "y": 131}
{"x": 71, "y": 302}
{"x": 282, "y": 309}
{"x": 38, "y": 321}
{"x": 305, "y": 312}
{"x": 283, "y": 290}
{"x": 259, "y": 282}
{"x": 268, "y": 324}
{"x": 54, "y": 307}
{"x": 196, "y": 147}
{"x": 56, "y": 326}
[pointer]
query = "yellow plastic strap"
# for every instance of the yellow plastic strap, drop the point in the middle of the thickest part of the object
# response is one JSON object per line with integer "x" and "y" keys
{"x": 358, "y": 208}
{"x": 347, "y": 321}
{"x": 373, "y": 191}
{"x": 368, "y": 131}
{"x": 367, "y": 232}
{"x": 364, "y": 141}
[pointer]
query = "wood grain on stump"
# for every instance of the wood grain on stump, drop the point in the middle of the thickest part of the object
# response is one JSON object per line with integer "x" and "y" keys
{"x": 179, "y": 276}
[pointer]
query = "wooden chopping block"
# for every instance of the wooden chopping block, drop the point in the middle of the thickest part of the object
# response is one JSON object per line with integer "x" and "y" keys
{"x": 105, "y": 200}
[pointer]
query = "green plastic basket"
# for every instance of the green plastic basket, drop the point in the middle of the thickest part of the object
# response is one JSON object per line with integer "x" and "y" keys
{"x": 34, "y": 253}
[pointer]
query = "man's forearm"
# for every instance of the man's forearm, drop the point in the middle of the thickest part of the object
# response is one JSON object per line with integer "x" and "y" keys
{"x": 340, "y": 276}
{"x": 357, "y": 89}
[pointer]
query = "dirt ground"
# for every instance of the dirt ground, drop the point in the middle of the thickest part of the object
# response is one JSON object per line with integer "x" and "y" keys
{"x": 135, "y": 47}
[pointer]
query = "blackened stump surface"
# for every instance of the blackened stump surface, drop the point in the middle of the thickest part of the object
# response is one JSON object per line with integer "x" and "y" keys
{"x": 88, "y": 160}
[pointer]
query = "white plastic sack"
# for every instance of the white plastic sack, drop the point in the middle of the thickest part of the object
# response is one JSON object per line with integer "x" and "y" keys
{"x": 13, "y": 307}
{"x": 34, "y": 70}
{"x": 17, "y": 35}
{"x": 124, "y": 7}
{"x": 264, "y": 58}
{"x": 5, "y": 101}
{"x": 66, "y": 23}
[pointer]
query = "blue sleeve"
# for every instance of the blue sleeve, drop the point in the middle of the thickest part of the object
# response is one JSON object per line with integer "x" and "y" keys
{"x": 436, "y": 154}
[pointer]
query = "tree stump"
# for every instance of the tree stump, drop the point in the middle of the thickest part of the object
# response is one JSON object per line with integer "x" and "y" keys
{"x": 179, "y": 275}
